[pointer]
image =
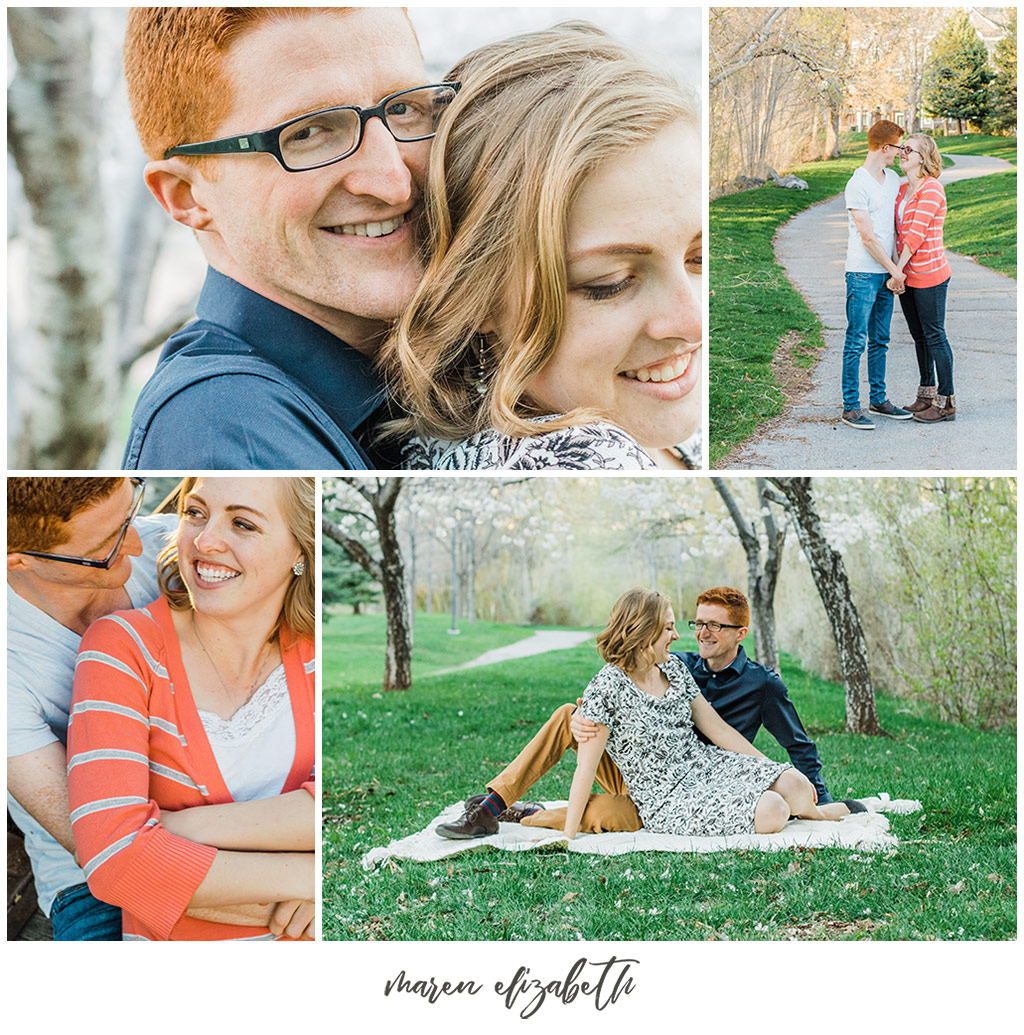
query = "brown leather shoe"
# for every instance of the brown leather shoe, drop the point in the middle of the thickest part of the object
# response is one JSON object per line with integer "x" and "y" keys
{"x": 513, "y": 813}
{"x": 474, "y": 822}
{"x": 517, "y": 810}
{"x": 943, "y": 407}
{"x": 925, "y": 395}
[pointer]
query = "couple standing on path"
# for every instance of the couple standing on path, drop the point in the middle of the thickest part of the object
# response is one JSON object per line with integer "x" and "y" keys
{"x": 895, "y": 248}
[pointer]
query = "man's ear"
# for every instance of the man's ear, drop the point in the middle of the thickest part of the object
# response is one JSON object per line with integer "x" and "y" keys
{"x": 173, "y": 182}
{"x": 16, "y": 562}
{"x": 741, "y": 633}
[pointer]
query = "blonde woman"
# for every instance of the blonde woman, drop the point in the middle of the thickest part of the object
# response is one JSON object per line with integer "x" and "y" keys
{"x": 192, "y": 733}
{"x": 648, "y": 710}
{"x": 920, "y": 214}
{"x": 558, "y": 323}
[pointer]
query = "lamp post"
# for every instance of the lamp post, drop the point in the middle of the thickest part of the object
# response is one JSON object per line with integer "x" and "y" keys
{"x": 454, "y": 630}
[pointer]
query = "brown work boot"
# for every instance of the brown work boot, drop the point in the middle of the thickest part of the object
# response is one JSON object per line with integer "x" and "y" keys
{"x": 925, "y": 395}
{"x": 943, "y": 407}
{"x": 474, "y": 822}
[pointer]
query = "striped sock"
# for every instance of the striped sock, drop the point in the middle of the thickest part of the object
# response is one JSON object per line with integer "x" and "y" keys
{"x": 493, "y": 804}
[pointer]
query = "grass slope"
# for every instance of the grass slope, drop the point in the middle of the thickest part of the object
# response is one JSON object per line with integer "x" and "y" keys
{"x": 392, "y": 762}
{"x": 758, "y": 319}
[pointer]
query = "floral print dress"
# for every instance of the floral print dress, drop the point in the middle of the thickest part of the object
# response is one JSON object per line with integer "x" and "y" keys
{"x": 585, "y": 447}
{"x": 680, "y": 785}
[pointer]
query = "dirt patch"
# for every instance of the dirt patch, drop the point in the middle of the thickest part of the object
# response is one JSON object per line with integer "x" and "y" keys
{"x": 825, "y": 928}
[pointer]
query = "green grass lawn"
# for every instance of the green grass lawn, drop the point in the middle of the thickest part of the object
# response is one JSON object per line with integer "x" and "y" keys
{"x": 757, "y": 317}
{"x": 354, "y": 645}
{"x": 392, "y": 762}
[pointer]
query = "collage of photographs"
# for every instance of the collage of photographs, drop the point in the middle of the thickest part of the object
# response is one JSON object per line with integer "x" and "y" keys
{"x": 486, "y": 494}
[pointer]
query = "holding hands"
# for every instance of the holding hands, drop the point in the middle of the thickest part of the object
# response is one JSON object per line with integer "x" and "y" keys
{"x": 897, "y": 283}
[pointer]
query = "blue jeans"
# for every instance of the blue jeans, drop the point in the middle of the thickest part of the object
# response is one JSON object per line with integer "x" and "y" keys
{"x": 868, "y": 315}
{"x": 925, "y": 311}
{"x": 76, "y": 916}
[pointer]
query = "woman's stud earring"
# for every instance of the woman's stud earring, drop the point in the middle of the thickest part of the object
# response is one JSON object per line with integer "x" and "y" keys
{"x": 299, "y": 568}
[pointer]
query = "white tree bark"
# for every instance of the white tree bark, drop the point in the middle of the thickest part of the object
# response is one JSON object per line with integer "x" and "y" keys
{"x": 67, "y": 371}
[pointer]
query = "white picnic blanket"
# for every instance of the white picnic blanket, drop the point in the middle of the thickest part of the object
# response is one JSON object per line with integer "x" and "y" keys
{"x": 863, "y": 830}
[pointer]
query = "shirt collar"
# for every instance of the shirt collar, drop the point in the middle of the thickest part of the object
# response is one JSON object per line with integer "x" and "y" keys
{"x": 342, "y": 380}
{"x": 737, "y": 664}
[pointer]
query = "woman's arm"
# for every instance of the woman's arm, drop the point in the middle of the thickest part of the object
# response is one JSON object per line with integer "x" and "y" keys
{"x": 285, "y": 823}
{"x": 718, "y": 731}
{"x": 129, "y": 857}
{"x": 588, "y": 755}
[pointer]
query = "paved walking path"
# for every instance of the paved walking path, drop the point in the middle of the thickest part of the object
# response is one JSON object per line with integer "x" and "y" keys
{"x": 981, "y": 322}
{"x": 539, "y": 643}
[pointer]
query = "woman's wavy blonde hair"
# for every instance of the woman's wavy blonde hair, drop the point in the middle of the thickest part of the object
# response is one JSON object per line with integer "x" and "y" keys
{"x": 298, "y": 612}
{"x": 931, "y": 160}
{"x": 635, "y": 624}
{"x": 536, "y": 116}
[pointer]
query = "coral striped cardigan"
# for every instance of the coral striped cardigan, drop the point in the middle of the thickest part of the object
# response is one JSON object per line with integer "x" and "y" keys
{"x": 920, "y": 230}
{"x": 136, "y": 745}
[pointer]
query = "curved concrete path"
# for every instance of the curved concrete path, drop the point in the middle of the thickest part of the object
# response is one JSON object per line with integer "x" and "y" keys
{"x": 539, "y": 643}
{"x": 981, "y": 322}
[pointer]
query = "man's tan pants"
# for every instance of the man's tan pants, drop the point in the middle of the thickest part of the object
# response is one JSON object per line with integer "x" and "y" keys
{"x": 613, "y": 810}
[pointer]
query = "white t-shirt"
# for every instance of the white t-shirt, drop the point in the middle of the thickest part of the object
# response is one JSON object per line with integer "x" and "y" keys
{"x": 864, "y": 192}
{"x": 41, "y": 657}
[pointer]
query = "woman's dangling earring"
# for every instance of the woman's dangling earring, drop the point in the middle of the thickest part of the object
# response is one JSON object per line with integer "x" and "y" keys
{"x": 299, "y": 567}
{"x": 480, "y": 372}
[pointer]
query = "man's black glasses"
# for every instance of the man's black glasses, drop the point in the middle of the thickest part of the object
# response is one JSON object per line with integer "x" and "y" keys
{"x": 138, "y": 491}
{"x": 325, "y": 137}
{"x": 712, "y": 627}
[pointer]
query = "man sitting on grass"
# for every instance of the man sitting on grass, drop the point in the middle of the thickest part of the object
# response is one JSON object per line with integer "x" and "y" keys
{"x": 747, "y": 695}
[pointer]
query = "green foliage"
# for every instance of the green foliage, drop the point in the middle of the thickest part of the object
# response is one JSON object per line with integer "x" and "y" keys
{"x": 957, "y": 592}
{"x": 392, "y": 763}
{"x": 956, "y": 81}
{"x": 344, "y": 581}
{"x": 1002, "y": 96}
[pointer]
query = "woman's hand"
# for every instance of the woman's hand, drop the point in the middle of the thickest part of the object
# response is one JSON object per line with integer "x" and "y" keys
{"x": 582, "y": 728}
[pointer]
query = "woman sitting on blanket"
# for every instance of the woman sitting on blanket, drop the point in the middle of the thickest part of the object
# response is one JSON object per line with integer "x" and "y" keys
{"x": 647, "y": 709}
{"x": 192, "y": 731}
{"x": 559, "y": 320}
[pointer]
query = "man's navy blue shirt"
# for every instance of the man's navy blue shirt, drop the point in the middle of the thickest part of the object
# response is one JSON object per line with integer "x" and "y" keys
{"x": 748, "y": 696}
{"x": 251, "y": 384}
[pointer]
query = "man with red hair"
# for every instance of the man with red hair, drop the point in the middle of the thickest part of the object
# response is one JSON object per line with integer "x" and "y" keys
{"x": 268, "y": 134}
{"x": 870, "y": 262}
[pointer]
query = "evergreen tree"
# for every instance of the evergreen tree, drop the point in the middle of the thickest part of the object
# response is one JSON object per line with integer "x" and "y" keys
{"x": 1002, "y": 115}
{"x": 956, "y": 83}
{"x": 344, "y": 581}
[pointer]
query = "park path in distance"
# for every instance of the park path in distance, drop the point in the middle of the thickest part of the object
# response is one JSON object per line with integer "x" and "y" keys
{"x": 540, "y": 642}
{"x": 981, "y": 323}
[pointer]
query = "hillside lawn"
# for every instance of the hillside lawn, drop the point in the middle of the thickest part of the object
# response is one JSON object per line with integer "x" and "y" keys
{"x": 758, "y": 317}
{"x": 392, "y": 761}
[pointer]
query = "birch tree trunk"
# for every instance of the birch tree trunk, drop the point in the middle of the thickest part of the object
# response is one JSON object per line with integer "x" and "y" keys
{"x": 388, "y": 570}
{"x": 833, "y": 585}
{"x": 68, "y": 371}
{"x": 761, "y": 578}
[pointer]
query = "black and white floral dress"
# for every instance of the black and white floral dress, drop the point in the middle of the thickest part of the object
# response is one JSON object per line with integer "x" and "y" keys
{"x": 680, "y": 785}
{"x": 585, "y": 447}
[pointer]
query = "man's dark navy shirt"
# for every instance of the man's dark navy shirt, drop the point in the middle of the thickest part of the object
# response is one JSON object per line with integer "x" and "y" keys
{"x": 253, "y": 385}
{"x": 748, "y": 696}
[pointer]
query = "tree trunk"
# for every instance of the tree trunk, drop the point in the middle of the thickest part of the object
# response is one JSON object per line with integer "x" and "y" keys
{"x": 833, "y": 585}
{"x": 389, "y": 571}
{"x": 69, "y": 372}
{"x": 761, "y": 578}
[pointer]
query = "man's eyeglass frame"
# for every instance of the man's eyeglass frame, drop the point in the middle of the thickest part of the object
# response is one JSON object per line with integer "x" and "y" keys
{"x": 139, "y": 490}
{"x": 717, "y": 626}
{"x": 268, "y": 141}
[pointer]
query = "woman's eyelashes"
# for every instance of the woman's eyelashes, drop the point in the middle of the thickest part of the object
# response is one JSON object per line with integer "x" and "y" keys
{"x": 196, "y": 514}
{"x": 600, "y": 292}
